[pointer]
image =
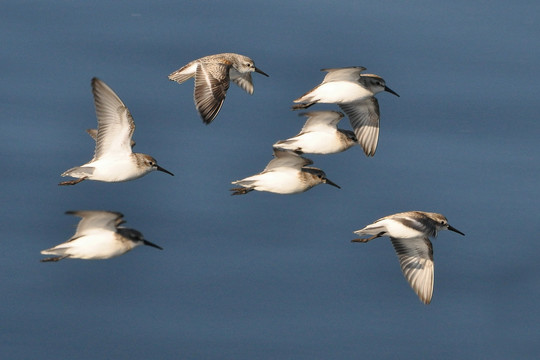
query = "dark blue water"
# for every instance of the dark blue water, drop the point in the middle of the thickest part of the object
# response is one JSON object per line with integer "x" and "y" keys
{"x": 266, "y": 276}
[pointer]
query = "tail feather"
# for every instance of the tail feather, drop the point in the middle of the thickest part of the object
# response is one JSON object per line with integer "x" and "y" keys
{"x": 79, "y": 171}
{"x": 186, "y": 72}
{"x": 179, "y": 77}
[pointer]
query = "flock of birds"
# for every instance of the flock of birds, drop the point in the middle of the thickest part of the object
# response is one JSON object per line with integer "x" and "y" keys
{"x": 99, "y": 234}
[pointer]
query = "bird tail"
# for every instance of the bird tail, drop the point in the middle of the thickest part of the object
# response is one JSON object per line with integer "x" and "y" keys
{"x": 79, "y": 171}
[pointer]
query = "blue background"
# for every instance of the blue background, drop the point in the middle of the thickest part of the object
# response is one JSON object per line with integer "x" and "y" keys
{"x": 266, "y": 276}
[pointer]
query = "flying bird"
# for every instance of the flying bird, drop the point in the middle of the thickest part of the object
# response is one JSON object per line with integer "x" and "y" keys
{"x": 354, "y": 92}
{"x": 409, "y": 233}
{"x": 113, "y": 159}
{"x": 287, "y": 173}
{"x": 212, "y": 76}
{"x": 320, "y": 135}
{"x": 98, "y": 236}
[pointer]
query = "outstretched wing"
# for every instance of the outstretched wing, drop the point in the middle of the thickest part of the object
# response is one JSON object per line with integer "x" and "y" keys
{"x": 95, "y": 221}
{"x": 416, "y": 259}
{"x": 321, "y": 121}
{"x": 115, "y": 123}
{"x": 287, "y": 158}
{"x": 243, "y": 80}
{"x": 211, "y": 85}
{"x": 364, "y": 118}
{"x": 351, "y": 73}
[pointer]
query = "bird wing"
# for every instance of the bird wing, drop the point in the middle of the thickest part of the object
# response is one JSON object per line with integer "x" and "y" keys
{"x": 211, "y": 85}
{"x": 416, "y": 259}
{"x": 351, "y": 73}
{"x": 321, "y": 120}
{"x": 93, "y": 134}
{"x": 287, "y": 158}
{"x": 242, "y": 80}
{"x": 115, "y": 123}
{"x": 95, "y": 221}
{"x": 364, "y": 118}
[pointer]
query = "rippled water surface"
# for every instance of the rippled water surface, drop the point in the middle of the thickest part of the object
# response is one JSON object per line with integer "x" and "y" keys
{"x": 264, "y": 276}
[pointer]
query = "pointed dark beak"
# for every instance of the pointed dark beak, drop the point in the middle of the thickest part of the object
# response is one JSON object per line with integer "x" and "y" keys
{"x": 165, "y": 171}
{"x": 148, "y": 243}
{"x": 261, "y": 72}
{"x": 326, "y": 181}
{"x": 451, "y": 228}
{"x": 390, "y": 91}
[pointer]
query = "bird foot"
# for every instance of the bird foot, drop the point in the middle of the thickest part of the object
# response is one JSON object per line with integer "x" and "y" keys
{"x": 361, "y": 240}
{"x": 53, "y": 259}
{"x": 240, "y": 191}
{"x": 301, "y": 106}
{"x": 368, "y": 239}
{"x": 72, "y": 182}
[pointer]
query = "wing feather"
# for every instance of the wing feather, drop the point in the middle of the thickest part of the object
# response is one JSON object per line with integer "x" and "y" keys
{"x": 287, "y": 158}
{"x": 364, "y": 118}
{"x": 95, "y": 221}
{"x": 351, "y": 73}
{"x": 243, "y": 80}
{"x": 115, "y": 123}
{"x": 416, "y": 260}
{"x": 211, "y": 86}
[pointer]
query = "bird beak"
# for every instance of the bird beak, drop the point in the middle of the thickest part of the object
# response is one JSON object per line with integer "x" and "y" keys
{"x": 148, "y": 243}
{"x": 455, "y": 230}
{"x": 326, "y": 181}
{"x": 390, "y": 91}
{"x": 162, "y": 169}
{"x": 261, "y": 72}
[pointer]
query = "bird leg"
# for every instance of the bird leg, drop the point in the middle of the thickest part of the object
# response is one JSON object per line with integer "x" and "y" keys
{"x": 54, "y": 259}
{"x": 73, "y": 182}
{"x": 241, "y": 190}
{"x": 301, "y": 106}
{"x": 368, "y": 239}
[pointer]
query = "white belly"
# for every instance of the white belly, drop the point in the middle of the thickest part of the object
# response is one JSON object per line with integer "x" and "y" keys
{"x": 320, "y": 143}
{"x": 95, "y": 247}
{"x": 337, "y": 92}
{"x": 115, "y": 169}
{"x": 280, "y": 182}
